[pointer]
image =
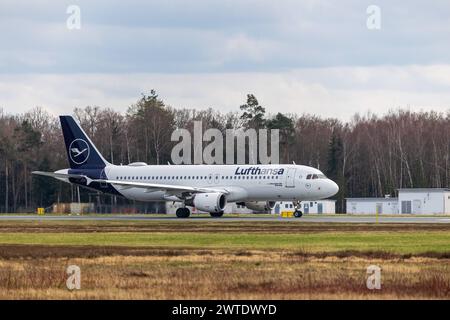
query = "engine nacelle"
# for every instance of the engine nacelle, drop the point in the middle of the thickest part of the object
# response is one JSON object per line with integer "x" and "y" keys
{"x": 260, "y": 206}
{"x": 209, "y": 202}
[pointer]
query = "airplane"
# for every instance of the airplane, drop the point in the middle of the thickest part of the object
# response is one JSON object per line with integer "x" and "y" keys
{"x": 206, "y": 187}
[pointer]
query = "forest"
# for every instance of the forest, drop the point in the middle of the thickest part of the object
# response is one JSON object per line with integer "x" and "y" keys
{"x": 369, "y": 155}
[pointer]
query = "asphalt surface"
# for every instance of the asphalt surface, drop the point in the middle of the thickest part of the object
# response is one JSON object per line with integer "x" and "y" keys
{"x": 199, "y": 219}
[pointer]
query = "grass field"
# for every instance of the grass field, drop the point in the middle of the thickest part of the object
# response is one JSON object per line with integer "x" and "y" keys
{"x": 220, "y": 259}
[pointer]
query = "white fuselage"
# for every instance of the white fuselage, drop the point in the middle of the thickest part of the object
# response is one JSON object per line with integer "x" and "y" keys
{"x": 241, "y": 182}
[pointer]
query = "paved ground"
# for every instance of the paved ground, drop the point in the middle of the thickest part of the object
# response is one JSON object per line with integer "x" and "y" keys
{"x": 315, "y": 218}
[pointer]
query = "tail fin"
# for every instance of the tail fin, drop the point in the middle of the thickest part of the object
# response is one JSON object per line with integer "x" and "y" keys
{"x": 81, "y": 152}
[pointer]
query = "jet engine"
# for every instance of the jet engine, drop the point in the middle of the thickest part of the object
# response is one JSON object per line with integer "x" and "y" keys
{"x": 260, "y": 206}
{"x": 209, "y": 202}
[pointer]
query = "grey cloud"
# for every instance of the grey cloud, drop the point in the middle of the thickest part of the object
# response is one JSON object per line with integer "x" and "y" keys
{"x": 211, "y": 36}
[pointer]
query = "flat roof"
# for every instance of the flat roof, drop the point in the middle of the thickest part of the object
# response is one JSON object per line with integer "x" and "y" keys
{"x": 423, "y": 189}
{"x": 372, "y": 199}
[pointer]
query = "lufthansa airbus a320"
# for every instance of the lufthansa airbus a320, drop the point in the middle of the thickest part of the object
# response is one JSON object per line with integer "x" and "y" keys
{"x": 205, "y": 187}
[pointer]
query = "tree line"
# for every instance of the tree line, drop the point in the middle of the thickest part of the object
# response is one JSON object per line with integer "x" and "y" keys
{"x": 369, "y": 155}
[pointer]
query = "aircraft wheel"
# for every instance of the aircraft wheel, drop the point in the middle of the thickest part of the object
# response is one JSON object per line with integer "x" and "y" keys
{"x": 216, "y": 214}
{"x": 183, "y": 213}
{"x": 298, "y": 214}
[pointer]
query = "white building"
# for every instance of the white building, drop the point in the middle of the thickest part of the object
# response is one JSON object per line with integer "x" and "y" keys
{"x": 372, "y": 205}
{"x": 414, "y": 201}
{"x": 315, "y": 207}
{"x": 424, "y": 200}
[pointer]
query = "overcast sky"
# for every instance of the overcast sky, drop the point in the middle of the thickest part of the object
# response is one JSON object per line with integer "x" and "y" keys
{"x": 313, "y": 56}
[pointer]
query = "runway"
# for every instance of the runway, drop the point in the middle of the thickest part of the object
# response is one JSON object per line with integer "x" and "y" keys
{"x": 234, "y": 218}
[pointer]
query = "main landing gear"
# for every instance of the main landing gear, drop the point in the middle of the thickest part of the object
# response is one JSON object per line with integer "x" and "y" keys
{"x": 298, "y": 213}
{"x": 183, "y": 212}
{"x": 216, "y": 214}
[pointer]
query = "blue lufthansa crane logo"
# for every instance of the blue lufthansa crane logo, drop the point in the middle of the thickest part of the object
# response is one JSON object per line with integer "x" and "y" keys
{"x": 79, "y": 151}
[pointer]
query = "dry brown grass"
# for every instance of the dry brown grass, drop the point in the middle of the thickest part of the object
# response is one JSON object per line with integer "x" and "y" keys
{"x": 154, "y": 271}
{"x": 172, "y": 273}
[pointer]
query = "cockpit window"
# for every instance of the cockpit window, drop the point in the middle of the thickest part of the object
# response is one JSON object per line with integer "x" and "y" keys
{"x": 316, "y": 176}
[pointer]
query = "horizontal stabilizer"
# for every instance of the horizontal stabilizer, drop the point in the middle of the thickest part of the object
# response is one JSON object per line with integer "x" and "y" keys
{"x": 63, "y": 175}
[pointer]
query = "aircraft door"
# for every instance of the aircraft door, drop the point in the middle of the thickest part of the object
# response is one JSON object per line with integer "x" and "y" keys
{"x": 290, "y": 178}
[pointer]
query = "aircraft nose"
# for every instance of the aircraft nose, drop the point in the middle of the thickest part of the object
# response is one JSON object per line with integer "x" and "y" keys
{"x": 333, "y": 187}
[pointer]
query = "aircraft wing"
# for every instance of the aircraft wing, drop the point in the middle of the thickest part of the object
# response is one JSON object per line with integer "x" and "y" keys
{"x": 160, "y": 187}
{"x": 130, "y": 184}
